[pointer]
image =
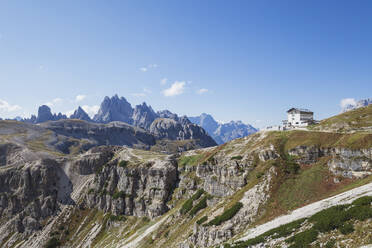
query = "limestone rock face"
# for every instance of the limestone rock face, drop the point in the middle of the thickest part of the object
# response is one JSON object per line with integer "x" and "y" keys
{"x": 166, "y": 128}
{"x": 114, "y": 109}
{"x": 344, "y": 162}
{"x": 45, "y": 114}
{"x": 80, "y": 114}
{"x": 143, "y": 116}
{"x": 142, "y": 190}
{"x": 29, "y": 194}
{"x": 114, "y": 133}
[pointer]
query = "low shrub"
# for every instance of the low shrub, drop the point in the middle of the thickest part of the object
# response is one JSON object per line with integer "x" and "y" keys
{"x": 360, "y": 212}
{"x": 201, "y": 205}
{"x": 187, "y": 206}
{"x": 123, "y": 163}
{"x": 52, "y": 243}
{"x": 363, "y": 201}
{"x": 91, "y": 191}
{"x": 331, "y": 218}
{"x": 330, "y": 244}
{"x": 346, "y": 228}
{"x": 119, "y": 194}
{"x": 226, "y": 215}
{"x": 202, "y": 220}
{"x": 237, "y": 157}
{"x": 303, "y": 239}
{"x": 117, "y": 218}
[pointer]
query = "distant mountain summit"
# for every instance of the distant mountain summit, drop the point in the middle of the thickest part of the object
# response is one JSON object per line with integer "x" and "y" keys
{"x": 358, "y": 104}
{"x": 80, "y": 114}
{"x": 114, "y": 109}
{"x": 223, "y": 132}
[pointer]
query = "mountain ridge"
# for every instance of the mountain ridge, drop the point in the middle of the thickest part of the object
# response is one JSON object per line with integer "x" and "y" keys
{"x": 223, "y": 132}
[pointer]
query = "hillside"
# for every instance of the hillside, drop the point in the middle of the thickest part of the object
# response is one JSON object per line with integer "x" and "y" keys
{"x": 359, "y": 119}
{"x": 111, "y": 196}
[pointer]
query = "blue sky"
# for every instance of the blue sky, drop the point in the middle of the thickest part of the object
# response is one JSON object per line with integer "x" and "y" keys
{"x": 237, "y": 60}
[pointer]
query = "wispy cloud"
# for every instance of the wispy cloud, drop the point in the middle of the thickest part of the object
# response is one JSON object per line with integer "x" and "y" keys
{"x": 54, "y": 102}
{"x": 91, "y": 110}
{"x": 164, "y": 81}
{"x": 144, "y": 93}
{"x": 80, "y": 98}
{"x": 5, "y": 106}
{"x": 347, "y": 101}
{"x": 202, "y": 91}
{"x": 150, "y": 66}
{"x": 177, "y": 88}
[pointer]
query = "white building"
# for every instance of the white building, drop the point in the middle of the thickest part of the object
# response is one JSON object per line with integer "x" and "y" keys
{"x": 297, "y": 117}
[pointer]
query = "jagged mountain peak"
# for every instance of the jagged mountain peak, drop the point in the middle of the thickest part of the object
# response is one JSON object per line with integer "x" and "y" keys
{"x": 114, "y": 109}
{"x": 80, "y": 114}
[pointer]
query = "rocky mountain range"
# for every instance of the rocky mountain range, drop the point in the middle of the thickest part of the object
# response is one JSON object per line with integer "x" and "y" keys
{"x": 162, "y": 125}
{"x": 223, "y": 132}
{"x": 168, "y": 125}
{"x": 358, "y": 104}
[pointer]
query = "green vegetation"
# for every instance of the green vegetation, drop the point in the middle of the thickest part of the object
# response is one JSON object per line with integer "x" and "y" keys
{"x": 201, "y": 205}
{"x": 52, "y": 243}
{"x": 337, "y": 217}
{"x": 91, "y": 191}
{"x": 226, "y": 215}
{"x": 189, "y": 160}
{"x": 347, "y": 228}
{"x": 303, "y": 239}
{"x": 118, "y": 194}
{"x": 237, "y": 157}
{"x": 353, "y": 119}
{"x": 330, "y": 244}
{"x": 187, "y": 206}
{"x": 123, "y": 163}
{"x": 281, "y": 231}
{"x": 117, "y": 218}
{"x": 202, "y": 220}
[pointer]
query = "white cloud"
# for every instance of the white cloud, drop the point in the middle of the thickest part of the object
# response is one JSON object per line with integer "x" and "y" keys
{"x": 150, "y": 66}
{"x": 202, "y": 91}
{"x": 69, "y": 113}
{"x": 177, "y": 88}
{"x": 54, "y": 102}
{"x": 5, "y": 106}
{"x": 80, "y": 98}
{"x": 347, "y": 101}
{"x": 91, "y": 110}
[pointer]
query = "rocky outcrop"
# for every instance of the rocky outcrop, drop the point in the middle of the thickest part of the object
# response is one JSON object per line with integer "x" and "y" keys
{"x": 29, "y": 194}
{"x": 114, "y": 133}
{"x": 80, "y": 114}
{"x": 165, "y": 128}
{"x": 114, "y": 109}
{"x": 45, "y": 114}
{"x": 143, "y": 116}
{"x": 343, "y": 161}
{"x": 140, "y": 190}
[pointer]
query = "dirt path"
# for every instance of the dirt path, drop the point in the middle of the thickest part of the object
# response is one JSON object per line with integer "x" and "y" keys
{"x": 309, "y": 210}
